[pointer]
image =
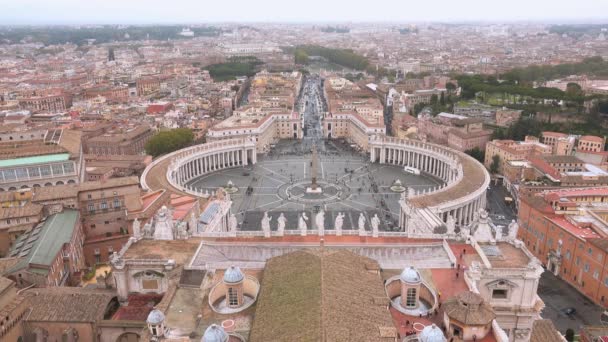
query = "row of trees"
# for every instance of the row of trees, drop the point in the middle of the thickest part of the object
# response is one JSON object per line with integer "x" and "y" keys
{"x": 343, "y": 57}
{"x": 471, "y": 85}
{"x": 593, "y": 66}
{"x": 235, "y": 66}
{"x": 336, "y": 29}
{"x": 168, "y": 141}
{"x": 102, "y": 34}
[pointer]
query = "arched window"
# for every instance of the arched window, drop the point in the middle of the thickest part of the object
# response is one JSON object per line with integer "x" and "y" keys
{"x": 410, "y": 300}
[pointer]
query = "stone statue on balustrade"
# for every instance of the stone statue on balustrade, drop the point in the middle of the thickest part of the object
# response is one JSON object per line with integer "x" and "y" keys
{"x": 498, "y": 233}
{"x": 375, "y": 225}
{"x": 320, "y": 222}
{"x": 148, "y": 231}
{"x": 451, "y": 225}
{"x": 137, "y": 229}
{"x": 560, "y": 243}
{"x": 302, "y": 225}
{"x": 362, "y": 224}
{"x": 266, "y": 224}
{"x": 513, "y": 228}
{"x": 232, "y": 223}
{"x": 182, "y": 231}
{"x": 192, "y": 223}
{"x": 338, "y": 224}
{"x": 281, "y": 223}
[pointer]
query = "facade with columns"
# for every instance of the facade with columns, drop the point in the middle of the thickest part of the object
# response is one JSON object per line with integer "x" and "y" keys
{"x": 258, "y": 124}
{"x": 211, "y": 157}
{"x": 195, "y": 161}
{"x": 459, "y": 198}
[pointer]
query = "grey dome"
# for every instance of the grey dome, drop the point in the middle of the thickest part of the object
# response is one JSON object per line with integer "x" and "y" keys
{"x": 215, "y": 333}
{"x": 155, "y": 317}
{"x": 410, "y": 275}
{"x": 431, "y": 333}
{"x": 233, "y": 275}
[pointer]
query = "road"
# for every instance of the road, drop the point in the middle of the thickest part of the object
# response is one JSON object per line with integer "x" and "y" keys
{"x": 312, "y": 108}
{"x": 499, "y": 211}
{"x": 558, "y": 295}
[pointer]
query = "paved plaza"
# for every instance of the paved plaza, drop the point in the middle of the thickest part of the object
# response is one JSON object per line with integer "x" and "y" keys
{"x": 278, "y": 182}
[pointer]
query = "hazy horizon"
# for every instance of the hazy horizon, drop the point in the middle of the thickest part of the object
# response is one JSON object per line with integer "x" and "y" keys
{"x": 151, "y": 12}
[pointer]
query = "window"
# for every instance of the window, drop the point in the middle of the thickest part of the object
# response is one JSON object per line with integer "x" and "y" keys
{"x": 104, "y": 205}
{"x": 233, "y": 299}
{"x": 586, "y": 267}
{"x": 596, "y": 274}
{"x": 578, "y": 261}
{"x": 568, "y": 256}
{"x": 410, "y": 300}
{"x": 91, "y": 207}
{"x": 499, "y": 294}
{"x": 116, "y": 203}
{"x": 590, "y": 251}
{"x": 89, "y": 196}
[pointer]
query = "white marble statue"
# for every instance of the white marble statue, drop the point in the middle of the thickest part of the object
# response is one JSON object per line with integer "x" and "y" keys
{"x": 281, "y": 222}
{"x": 137, "y": 229}
{"x": 361, "y": 224}
{"x": 513, "y": 228}
{"x": 498, "y": 233}
{"x": 266, "y": 224}
{"x": 339, "y": 223}
{"x": 232, "y": 223}
{"x": 375, "y": 225}
{"x": 320, "y": 222}
{"x": 163, "y": 224}
{"x": 483, "y": 232}
{"x": 192, "y": 224}
{"x": 148, "y": 230}
{"x": 451, "y": 224}
{"x": 182, "y": 231}
{"x": 560, "y": 243}
{"x": 302, "y": 226}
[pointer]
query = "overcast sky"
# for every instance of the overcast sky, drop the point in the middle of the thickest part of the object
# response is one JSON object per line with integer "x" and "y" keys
{"x": 25, "y": 12}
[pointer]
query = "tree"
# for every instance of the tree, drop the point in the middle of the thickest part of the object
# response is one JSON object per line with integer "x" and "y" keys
{"x": 476, "y": 153}
{"x": 442, "y": 99}
{"x": 569, "y": 335}
{"x": 450, "y": 87}
{"x": 434, "y": 99}
{"x": 169, "y": 141}
{"x": 495, "y": 164}
{"x": 301, "y": 56}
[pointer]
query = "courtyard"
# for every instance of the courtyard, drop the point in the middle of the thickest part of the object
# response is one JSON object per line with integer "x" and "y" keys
{"x": 350, "y": 184}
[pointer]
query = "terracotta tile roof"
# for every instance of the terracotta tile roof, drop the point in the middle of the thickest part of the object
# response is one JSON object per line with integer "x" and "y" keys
{"x": 543, "y": 330}
{"x": 321, "y": 295}
{"x": 469, "y": 308}
{"x": 110, "y": 183}
{"x": 67, "y": 304}
{"x": 28, "y": 209}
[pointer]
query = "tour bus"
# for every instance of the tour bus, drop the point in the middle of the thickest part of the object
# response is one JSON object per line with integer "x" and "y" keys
{"x": 411, "y": 170}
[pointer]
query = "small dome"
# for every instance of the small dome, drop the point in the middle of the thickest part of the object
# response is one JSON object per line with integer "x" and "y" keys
{"x": 155, "y": 317}
{"x": 431, "y": 333}
{"x": 233, "y": 275}
{"x": 410, "y": 275}
{"x": 215, "y": 333}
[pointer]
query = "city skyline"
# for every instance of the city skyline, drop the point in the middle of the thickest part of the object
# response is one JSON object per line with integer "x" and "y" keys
{"x": 70, "y": 12}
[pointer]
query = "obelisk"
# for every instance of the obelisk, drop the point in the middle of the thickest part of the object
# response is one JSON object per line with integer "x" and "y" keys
{"x": 314, "y": 166}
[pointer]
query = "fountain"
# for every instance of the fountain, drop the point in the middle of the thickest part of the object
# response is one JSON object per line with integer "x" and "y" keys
{"x": 397, "y": 187}
{"x": 230, "y": 188}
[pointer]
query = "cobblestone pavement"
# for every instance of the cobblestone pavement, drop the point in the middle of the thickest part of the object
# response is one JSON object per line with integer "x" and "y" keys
{"x": 276, "y": 184}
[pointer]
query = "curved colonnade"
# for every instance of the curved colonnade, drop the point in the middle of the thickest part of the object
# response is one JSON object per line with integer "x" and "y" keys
{"x": 460, "y": 197}
{"x": 466, "y": 180}
{"x": 195, "y": 161}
